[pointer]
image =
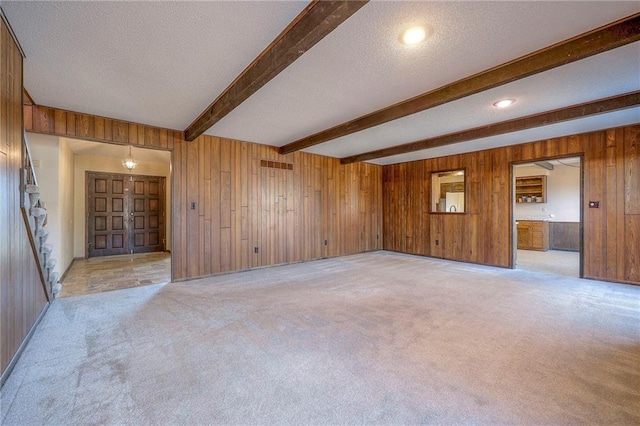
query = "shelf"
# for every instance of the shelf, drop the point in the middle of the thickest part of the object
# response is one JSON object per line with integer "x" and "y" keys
{"x": 531, "y": 189}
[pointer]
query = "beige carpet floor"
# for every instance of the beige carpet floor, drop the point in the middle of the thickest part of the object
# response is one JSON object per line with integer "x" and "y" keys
{"x": 378, "y": 338}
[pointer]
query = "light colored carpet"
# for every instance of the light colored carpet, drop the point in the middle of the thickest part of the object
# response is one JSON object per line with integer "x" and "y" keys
{"x": 378, "y": 338}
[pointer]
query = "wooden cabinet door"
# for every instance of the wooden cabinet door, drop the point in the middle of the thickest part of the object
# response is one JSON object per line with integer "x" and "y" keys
{"x": 107, "y": 206}
{"x": 524, "y": 236}
{"x": 533, "y": 235}
{"x": 537, "y": 240}
{"x": 125, "y": 214}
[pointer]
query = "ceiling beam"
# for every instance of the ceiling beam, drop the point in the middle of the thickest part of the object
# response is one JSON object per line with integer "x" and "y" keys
{"x": 544, "y": 164}
{"x": 600, "y": 40}
{"x": 573, "y": 112}
{"x": 316, "y": 21}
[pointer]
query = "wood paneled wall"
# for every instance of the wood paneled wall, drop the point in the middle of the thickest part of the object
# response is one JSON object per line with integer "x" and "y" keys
{"x": 564, "y": 236}
{"x": 240, "y": 203}
{"x": 246, "y": 197}
{"x": 22, "y": 295}
{"x": 341, "y": 206}
{"x": 59, "y": 122}
{"x": 484, "y": 233}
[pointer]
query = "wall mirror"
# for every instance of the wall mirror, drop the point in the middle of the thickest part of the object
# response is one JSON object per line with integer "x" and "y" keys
{"x": 448, "y": 190}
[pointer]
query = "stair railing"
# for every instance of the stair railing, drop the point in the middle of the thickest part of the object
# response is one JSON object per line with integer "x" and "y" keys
{"x": 35, "y": 219}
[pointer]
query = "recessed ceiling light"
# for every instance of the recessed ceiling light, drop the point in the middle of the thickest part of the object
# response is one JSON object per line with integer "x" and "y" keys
{"x": 503, "y": 103}
{"x": 413, "y": 35}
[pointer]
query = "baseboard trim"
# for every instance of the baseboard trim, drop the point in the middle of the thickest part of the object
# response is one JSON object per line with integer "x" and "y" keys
{"x": 275, "y": 265}
{"x": 7, "y": 371}
{"x": 64, "y": 275}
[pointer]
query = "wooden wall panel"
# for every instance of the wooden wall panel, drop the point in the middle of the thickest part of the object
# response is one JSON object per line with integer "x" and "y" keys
{"x": 53, "y": 121}
{"x": 22, "y": 295}
{"x": 632, "y": 171}
{"x": 484, "y": 233}
{"x": 566, "y": 235}
{"x": 319, "y": 208}
{"x": 289, "y": 214}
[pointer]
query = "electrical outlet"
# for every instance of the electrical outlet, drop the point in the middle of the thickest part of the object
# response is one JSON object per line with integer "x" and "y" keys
{"x": 255, "y": 249}
{"x": 325, "y": 242}
{"x": 193, "y": 205}
{"x": 437, "y": 242}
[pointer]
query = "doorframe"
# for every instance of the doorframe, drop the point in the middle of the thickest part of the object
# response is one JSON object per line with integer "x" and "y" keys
{"x": 514, "y": 235}
{"x": 86, "y": 206}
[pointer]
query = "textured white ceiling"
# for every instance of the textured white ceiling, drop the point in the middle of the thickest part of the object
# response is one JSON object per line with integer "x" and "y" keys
{"x": 361, "y": 67}
{"x": 598, "y": 122}
{"x": 560, "y": 87}
{"x": 153, "y": 62}
{"x": 162, "y": 63}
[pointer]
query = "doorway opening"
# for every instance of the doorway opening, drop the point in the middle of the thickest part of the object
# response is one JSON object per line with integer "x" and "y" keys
{"x": 125, "y": 213}
{"x": 61, "y": 165}
{"x": 547, "y": 215}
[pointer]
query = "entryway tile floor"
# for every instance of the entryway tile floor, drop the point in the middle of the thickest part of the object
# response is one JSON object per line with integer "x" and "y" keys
{"x": 106, "y": 273}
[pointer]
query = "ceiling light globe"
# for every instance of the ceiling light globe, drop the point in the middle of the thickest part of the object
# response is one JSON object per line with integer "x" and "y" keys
{"x": 129, "y": 163}
{"x": 413, "y": 35}
{"x": 503, "y": 103}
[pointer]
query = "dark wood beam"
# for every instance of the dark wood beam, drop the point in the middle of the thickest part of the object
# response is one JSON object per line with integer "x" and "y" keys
{"x": 601, "y": 106}
{"x": 600, "y": 40}
{"x": 315, "y": 22}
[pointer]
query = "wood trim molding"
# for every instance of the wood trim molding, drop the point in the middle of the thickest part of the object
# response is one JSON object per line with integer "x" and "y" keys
{"x": 4, "y": 19}
{"x": 316, "y": 21}
{"x": 27, "y": 99}
{"x": 600, "y": 40}
{"x": 573, "y": 112}
{"x": 59, "y": 122}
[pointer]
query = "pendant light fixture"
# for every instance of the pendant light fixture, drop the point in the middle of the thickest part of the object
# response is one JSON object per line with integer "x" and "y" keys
{"x": 129, "y": 163}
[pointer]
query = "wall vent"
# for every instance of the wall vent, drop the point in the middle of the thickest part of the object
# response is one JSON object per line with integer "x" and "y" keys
{"x": 276, "y": 165}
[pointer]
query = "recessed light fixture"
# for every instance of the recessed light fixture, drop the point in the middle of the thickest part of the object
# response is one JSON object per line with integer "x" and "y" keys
{"x": 413, "y": 35}
{"x": 503, "y": 103}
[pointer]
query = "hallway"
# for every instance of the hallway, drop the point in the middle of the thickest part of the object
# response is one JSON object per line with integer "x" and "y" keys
{"x": 100, "y": 274}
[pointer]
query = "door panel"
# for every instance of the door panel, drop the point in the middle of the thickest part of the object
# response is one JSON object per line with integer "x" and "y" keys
{"x": 125, "y": 214}
{"x": 148, "y": 214}
{"x": 106, "y": 205}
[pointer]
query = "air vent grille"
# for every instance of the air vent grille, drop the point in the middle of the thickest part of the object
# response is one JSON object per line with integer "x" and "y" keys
{"x": 276, "y": 165}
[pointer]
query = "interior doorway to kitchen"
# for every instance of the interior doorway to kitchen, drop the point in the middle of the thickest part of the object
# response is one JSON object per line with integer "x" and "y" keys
{"x": 548, "y": 216}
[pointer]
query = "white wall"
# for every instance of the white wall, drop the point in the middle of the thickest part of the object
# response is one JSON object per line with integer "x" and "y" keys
{"x": 563, "y": 194}
{"x": 84, "y": 163}
{"x": 65, "y": 201}
{"x": 54, "y": 171}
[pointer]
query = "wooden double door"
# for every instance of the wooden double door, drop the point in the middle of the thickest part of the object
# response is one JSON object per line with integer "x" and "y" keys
{"x": 125, "y": 214}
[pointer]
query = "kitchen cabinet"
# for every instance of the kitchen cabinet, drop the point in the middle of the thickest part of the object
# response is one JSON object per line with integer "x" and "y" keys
{"x": 531, "y": 189}
{"x": 533, "y": 235}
